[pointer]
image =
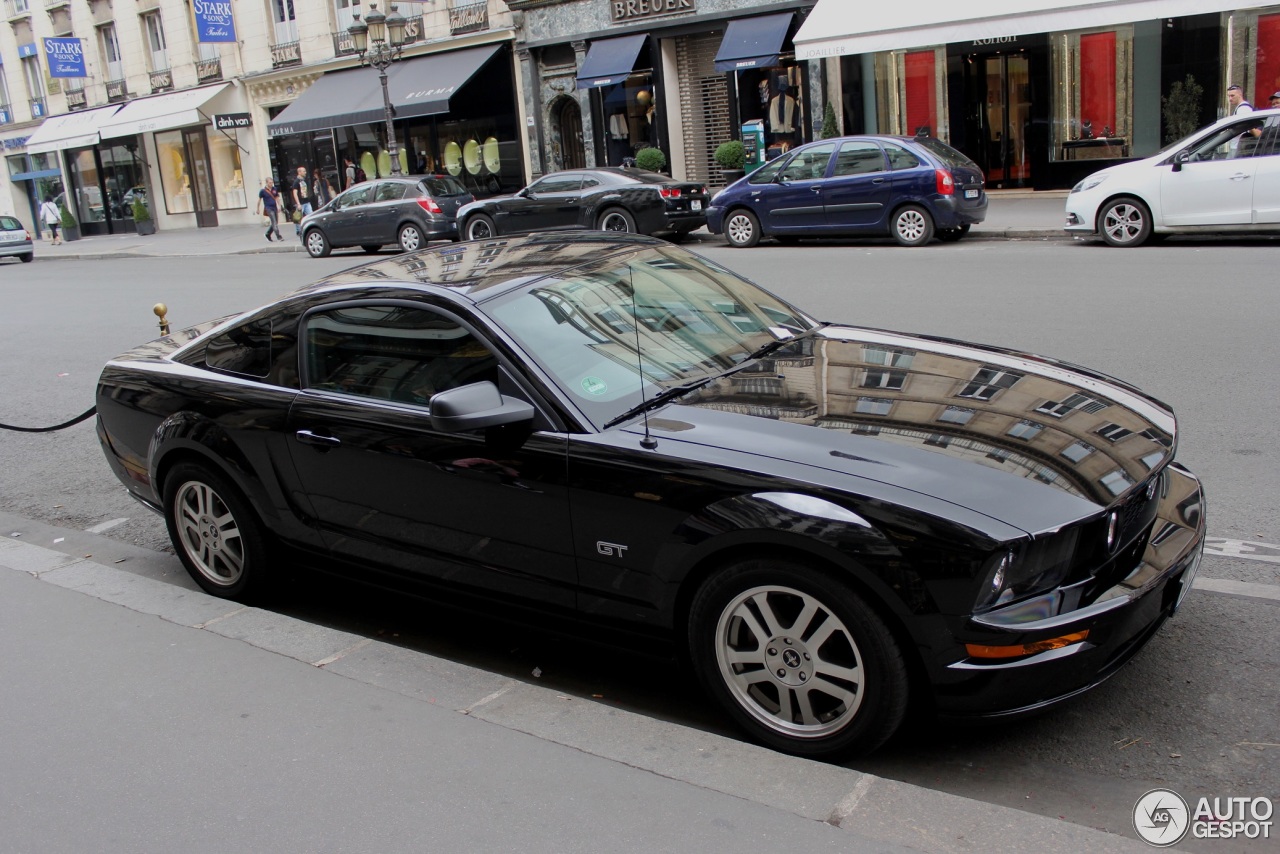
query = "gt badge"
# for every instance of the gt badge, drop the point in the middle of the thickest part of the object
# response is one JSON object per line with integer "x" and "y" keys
{"x": 610, "y": 549}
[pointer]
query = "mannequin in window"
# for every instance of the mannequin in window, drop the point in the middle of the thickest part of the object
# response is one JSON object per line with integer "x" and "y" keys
{"x": 619, "y": 137}
{"x": 783, "y": 113}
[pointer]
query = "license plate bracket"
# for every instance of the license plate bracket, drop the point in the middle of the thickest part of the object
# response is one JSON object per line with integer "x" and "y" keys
{"x": 971, "y": 194}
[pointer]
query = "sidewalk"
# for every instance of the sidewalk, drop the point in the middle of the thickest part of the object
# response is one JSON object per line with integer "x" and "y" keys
{"x": 143, "y": 715}
{"x": 1011, "y": 214}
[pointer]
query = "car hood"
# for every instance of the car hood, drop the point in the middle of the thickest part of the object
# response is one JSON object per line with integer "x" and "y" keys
{"x": 1034, "y": 442}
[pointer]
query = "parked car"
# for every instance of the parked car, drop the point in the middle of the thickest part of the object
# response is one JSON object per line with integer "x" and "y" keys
{"x": 1223, "y": 178}
{"x": 912, "y": 188}
{"x": 608, "y": 198}
{"x": 832, "y": 522}
{"x": 408, "y": 212}
{"x": 15, "y": 240}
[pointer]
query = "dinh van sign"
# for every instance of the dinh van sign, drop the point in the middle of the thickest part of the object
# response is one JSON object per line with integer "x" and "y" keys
{"x": 231, "y": 121}
{"x": 636, "y": 10}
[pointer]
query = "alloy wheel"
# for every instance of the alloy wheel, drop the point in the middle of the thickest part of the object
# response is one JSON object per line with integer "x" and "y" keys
{"x": 209, "y": 534}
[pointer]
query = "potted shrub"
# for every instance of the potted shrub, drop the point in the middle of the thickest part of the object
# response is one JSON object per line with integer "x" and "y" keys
{"x": 70, "y": 227}
{"x": 651, "y": 159}
{"x": 142, "y": 220}
{"x": 731, "y": 156}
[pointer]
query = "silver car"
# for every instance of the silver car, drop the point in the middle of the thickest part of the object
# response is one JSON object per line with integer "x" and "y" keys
{"x": 15, "y": 239}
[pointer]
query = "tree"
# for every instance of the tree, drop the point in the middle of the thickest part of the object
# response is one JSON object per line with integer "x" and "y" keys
{"x": 1181, "y": 108}
{"x": 829, "y": 127}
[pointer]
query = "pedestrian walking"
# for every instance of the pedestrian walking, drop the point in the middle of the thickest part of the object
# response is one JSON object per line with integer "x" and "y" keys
{"x": 269, "y": 206}
{"x": 52, "y": 218}
{"x": 301, "y": 199}
{"x": 349, "y": 173}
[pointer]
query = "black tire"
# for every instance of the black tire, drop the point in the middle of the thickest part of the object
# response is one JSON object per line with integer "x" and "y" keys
{"x": 912, "y": 226}
{"x": 617, "y": 221}
{"x": 1124, "y": 222}
{"x": 215, "y": 532}
{"x": 27, "y": 258}
{"x": 317, "y": 245}
{"x": 410, "y": 238}
{"x": 480, "y": 227}
{"x": 787, "y": 240}
{"x": 951, "y": 235}
{"x": 845, "y": 696}
{"x": 741, "y": 228}
{"x": 371, "y": 248}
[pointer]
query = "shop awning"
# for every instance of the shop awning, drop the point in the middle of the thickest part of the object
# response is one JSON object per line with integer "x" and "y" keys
{"x": 39, "y": 173}
{"x": 839, "y": 27}
{"x": 753, "y": 42}
{"x": 161, "y": 112}
{"x": 421, "y": 86}
{"x": 610, "y": 61}
{"x": 73, "y": 130}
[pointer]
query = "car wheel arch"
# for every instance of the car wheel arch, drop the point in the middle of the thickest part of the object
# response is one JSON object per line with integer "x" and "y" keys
{"x": 1125, "y": 194}
{"x": 194, "y": 442}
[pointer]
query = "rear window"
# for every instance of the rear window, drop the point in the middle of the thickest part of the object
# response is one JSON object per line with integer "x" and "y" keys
{"x": 443, "y": 185}
{"x": 8, "y": 223}
{"x": 948, "y": 155}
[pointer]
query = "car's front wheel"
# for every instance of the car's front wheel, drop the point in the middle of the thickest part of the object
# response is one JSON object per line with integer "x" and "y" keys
{"x": 215, "y": 532}
{"x": 798, "y": 659}
{"x": 480, "y": 227}
{"x": 1125, "y": 222}
{"x": 912, "y": 226}
{"x": 410, "y": 238}
{"x": 742, "y": 229}
{"x": 617, "y": 220}
{"x": 317, "y": 244}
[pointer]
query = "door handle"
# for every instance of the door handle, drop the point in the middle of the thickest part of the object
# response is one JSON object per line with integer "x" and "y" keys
{"x": 306, "y": 437}
{"x": 877, "y": 181}
{"x": 1239, "y": 176}
{"x": 816, "y": 189}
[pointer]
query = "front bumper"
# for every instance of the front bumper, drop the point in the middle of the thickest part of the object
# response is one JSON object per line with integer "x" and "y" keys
{"x": 1119, "y": 622}
{"x": 1079, "y": 216}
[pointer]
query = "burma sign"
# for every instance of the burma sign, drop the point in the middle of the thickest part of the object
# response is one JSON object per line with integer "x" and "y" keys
{"x": 214, "y": 22}
{"x": 65, "y": 57}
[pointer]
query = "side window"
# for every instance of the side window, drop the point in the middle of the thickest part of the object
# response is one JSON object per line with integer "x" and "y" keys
{"x": 766, "y": 173}
{"x": 858, "y": 157}
{"x": 392, "y": 353}
{"x": 356, "y": 196}
{"x": 391, "y": 192}
{"x": 244, "y": 350}
{"x": 809, "y": 164}
{"x": 588, "y": 183}
{"x": 899, "y": 157}
{"x": 557, "y": 184}
{"x": 1269, "y": 142}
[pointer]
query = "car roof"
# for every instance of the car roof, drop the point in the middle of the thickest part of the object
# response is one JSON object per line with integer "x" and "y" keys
{"x": 482, "y": 269}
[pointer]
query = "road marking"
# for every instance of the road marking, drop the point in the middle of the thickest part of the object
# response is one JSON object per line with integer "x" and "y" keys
{"x": 106, "y": 526}
{"x": 1237, "y": 588}
{"x": 1246, "y": 549}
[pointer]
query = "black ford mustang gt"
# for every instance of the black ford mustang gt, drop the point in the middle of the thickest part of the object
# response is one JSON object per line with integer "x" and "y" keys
{"x": 826, "y": 518}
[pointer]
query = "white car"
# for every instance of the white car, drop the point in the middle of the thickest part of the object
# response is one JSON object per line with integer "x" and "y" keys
{"x": 1222, "y": 178}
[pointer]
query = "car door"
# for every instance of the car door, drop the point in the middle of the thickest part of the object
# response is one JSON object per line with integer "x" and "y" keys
{"x": 549, "y": 203}
{"x": 1266, "y": 177}
{"x": 345, "y": 224}
{"x": 795, "y": 203}
{"x": 1214, "y": 186}
{"x": 482, "y": 510}
{"x": 857, "y": 194}
{"x": 381, "y": 215}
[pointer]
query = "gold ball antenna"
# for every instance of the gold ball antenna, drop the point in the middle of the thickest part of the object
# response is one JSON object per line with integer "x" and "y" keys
{"x": 160, "y": 310}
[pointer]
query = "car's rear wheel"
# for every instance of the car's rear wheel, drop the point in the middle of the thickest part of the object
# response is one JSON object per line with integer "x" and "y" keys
{"x": 951, "y": 235}
{"x": 617, "y": 220}
{"x": 742, "y": 229}
{"x": 27, "y": 258}
{"x": 371, "y": 248}
{"x": 411, "y": 238}
{"x": 480, "y": 227}
{"x": 317, "y": 244}
{"x": 1124, "y": 222}
{"x": 216, "y": 534}
{"x": 798, "y": 659}
{"x": 912, "y": 226}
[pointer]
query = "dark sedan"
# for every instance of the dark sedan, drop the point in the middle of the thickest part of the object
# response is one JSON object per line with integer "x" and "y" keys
{"x": 407, "y": 212}
{"x": 832, "y": 522}
{"x": 609, "y": 199}
{"x": 910, "y": 188}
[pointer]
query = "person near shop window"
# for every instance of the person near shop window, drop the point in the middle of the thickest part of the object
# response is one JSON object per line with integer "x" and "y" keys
{"x": 348, "y": 174}
{"x": 1240, "y": 107}
{"x": 52, "y": 218}
{"x": 301, "y": 199}
{"x": 269, "y": 206}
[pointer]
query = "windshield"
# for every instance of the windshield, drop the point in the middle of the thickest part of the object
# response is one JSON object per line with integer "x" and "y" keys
{"x": 443, "y": 185}
{"x": 660, "y": 313}
{"x": 948, "y": 155}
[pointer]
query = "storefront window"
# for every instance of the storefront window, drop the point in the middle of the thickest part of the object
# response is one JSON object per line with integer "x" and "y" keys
{"x": 228, "y": 178}
{"x": 175, "y": 177}
{"x": 1267, "y": 60}
{"x": 628, "y": 109}
{"x": 86, "y": 201}
{"x": 776, "y": 98}
{"x": 1093, "y": 80}
{"x": 909, "y": 93}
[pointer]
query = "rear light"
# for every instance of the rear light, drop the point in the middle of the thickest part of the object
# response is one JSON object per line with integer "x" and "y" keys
{"x": 429, "y": 205}
{"x": 28, "y": 235}
{"x": 669, "y": 192}
{"x": 946, "y": 184}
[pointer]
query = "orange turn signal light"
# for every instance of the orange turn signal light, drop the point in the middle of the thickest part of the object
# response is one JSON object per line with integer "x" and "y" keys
{"x": 977, "y": 650}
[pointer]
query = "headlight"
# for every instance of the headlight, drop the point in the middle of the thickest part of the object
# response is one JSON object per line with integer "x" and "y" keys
{"x": 1090, "y": 182}
{"x": 1027, "y": 569}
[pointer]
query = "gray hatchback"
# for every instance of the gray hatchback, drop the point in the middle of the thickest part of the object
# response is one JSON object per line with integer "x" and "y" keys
{"x": 15, "y": 239}
{"x": 405, "y": 211}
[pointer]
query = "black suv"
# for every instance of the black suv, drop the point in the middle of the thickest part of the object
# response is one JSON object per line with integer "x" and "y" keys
{"x": 406, "y": 211}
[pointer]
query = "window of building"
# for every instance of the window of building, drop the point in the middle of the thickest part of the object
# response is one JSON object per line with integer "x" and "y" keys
{"x": 874, "y": 406}
{"x": 156, "y": 45}
{"x": 4, "y": 91}
{"x": 989, "y": 382}
{"x": 285, "y": 20}
{"x": 1070, "y": 404}
{"x": 110, "y": 45}
{"x": 1151, "y": 460}
{"x": 1077, "y": 451}
{"x": 956, "y": 415}
{"x": 1093, "y": 107}
{"x": 344, "y": 14}
{"x": 34, "y": 77}
{"x": 884, "y": 379}
{"x": 1113, "y": 432}
{"x": 910, "y": 92}
{"x": 1027, "y": 430}
{"x": 873, "y": 355}
{"x": 1116, "y": 481}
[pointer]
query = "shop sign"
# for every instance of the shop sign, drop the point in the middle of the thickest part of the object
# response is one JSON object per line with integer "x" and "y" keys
{"x": 161, "y": 81}
{"x": 413, "y": 30}
{"x": 214, "y": 22}
{"x": 471, "y": 18}
{"x": 635, "y": 10}
{"x": 5, "y": 118}
{"x": 209, "y": 69}
{"x": 232, "y": 121}
{"x": 25, "y": 50}
{"x": 117, "y": 91}
{"x": 65, "y": 57}
{"x": 76, "y": 99}
{"x": 289, "y": 53}
{"x": 17, "y": 141}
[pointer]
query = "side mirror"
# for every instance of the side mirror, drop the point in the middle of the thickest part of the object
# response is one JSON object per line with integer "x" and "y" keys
{"x": 524, "y": 194}
{"x": 471, "y": 407}
{"x": 1180, "y": 158}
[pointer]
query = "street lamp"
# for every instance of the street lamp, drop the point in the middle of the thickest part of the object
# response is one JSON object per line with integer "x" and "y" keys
{"x": 379, "y": 39}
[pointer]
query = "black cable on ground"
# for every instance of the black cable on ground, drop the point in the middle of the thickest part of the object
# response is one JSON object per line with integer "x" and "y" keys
{"x": 61, "y": 426}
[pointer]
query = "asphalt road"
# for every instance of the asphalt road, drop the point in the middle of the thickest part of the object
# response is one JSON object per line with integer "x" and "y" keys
{"x": 1191, "y": 322}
